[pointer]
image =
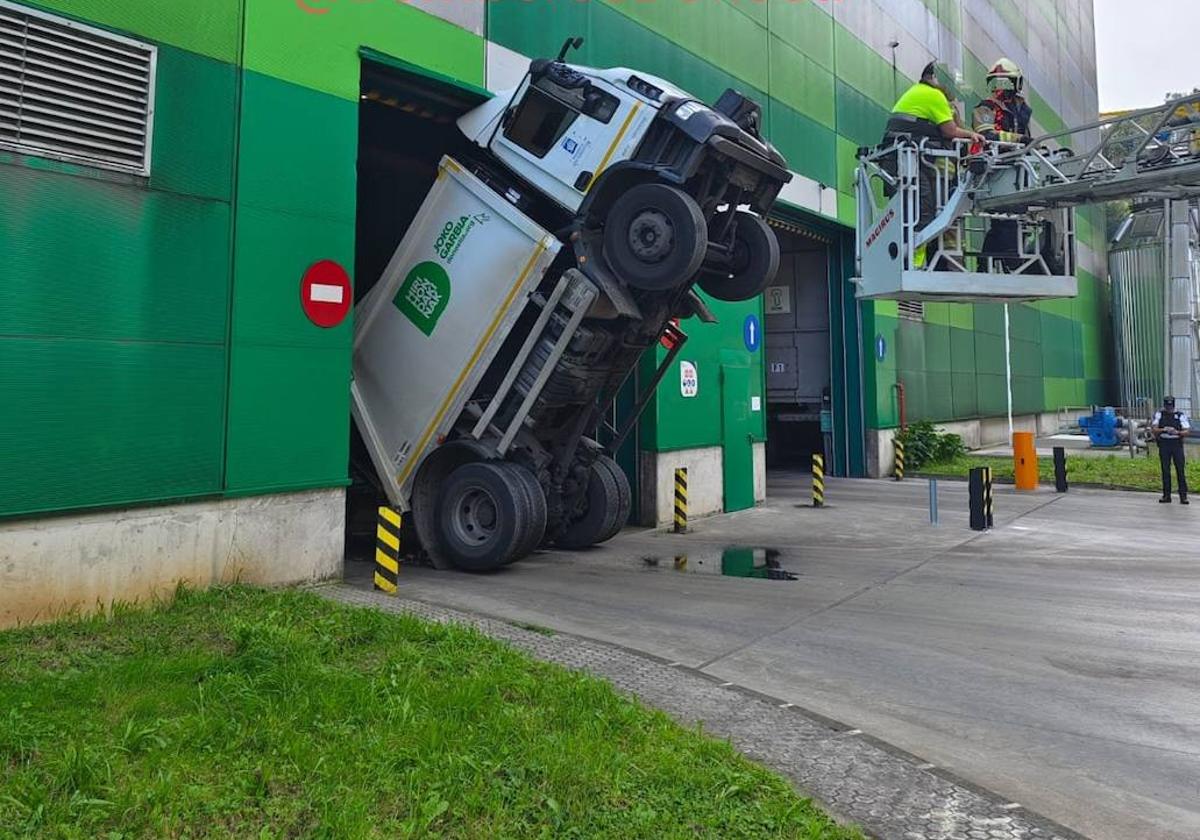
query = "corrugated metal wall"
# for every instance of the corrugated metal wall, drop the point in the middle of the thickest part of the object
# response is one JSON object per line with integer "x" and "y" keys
{"x": 1139, "y": 321}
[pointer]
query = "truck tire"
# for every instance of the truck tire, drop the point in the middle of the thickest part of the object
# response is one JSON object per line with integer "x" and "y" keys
{"x": 596, "y": 523}
{"x": 655, "y": 237}
{"x": 624, "y": 496}
{"x": 483, "y": 515}
{"x": 753, "y": 263}
{"x": 535, "y": 530}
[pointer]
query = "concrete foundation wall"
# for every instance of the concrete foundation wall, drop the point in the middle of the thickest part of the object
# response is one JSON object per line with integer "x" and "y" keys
{"x": 706, "y": 489}
{"x": 49, "y": 567}
{"x": 986, "y": 431}
{"x": 760, "y": 473}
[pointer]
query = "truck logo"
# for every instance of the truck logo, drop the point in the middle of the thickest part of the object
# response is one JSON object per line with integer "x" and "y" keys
{"x": 454, "y": 233}
{"x": 884, "y": 222}
{"x": 424, "y": 295}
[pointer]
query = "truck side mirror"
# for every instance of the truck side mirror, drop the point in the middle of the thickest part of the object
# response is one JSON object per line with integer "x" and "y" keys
{"x": 568, "y": 45}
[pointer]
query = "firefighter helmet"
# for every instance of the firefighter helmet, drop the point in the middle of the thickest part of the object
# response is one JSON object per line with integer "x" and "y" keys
{"x": 1005, "y": 75}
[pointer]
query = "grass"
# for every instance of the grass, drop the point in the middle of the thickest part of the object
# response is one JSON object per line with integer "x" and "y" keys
{"x": 1118, "y": 472}
{"x": 244, "y": 713}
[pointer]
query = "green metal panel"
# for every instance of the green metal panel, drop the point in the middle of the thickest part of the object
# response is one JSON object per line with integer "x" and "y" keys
{"x": 90, "y": 423}
{"x": 721, "y": 35}
{"x": 738, "y": 384}
{"x": 207, "y": 27}
{"x": 805, "y": 27}
{"x": 801, "y": 83}
{"x": 298, "y": 151}
{"x": 194, "y": 125}
{"x": 113, "y": 314}
{"x": 289, "y": 418}
{"x": 321, "y": 51}
{"x": 289, "y": 386}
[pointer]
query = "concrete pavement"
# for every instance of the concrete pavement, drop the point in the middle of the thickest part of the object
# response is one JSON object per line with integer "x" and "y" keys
{"x": 1054, "y": 660}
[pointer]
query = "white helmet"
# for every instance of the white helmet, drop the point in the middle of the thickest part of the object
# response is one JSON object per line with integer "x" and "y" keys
{"x": 1005, "y": 75}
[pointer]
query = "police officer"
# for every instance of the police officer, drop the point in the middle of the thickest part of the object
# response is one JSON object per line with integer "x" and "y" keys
{"x": 1169, "y": 428}
{"x": 924, "y": 111}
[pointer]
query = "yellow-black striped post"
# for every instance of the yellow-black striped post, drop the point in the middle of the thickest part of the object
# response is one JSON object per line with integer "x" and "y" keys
{"x": 818, "y": 480}
{"x": 387, "y": 550}
{"x": 681, "y": 500}
{"x": 987, "y": 497}
{"x": 899, "y": 460}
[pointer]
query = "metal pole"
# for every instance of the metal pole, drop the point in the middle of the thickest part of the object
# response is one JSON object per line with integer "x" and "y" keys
{"x": 933, "y": 502}
{"x": 1008, "y": 370}
{"x": 1180, "y": 349}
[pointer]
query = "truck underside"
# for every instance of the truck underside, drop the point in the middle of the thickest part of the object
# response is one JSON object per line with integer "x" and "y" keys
{"x": 519, "y": 465}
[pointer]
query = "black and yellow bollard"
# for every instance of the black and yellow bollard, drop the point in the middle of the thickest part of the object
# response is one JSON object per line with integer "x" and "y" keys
{"x": 387, "y": 550}
{"x": 1060, "y": 469}
{"x": 899, "y": 460}
{"x": 818, "y": 480}
{"x": 977, "y": 498}
{"x": 681, "y": 503}
{"x": 988, "y": 497}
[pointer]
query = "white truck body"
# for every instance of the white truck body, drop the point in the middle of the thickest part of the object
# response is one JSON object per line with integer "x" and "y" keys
{"x": 428, "y": 330}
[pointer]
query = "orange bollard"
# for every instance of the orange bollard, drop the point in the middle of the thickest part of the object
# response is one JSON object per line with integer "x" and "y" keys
{"x": 1025, "y": 466}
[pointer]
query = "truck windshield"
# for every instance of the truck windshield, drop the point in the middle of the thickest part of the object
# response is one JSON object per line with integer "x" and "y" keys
{"x": 540, "y": 121}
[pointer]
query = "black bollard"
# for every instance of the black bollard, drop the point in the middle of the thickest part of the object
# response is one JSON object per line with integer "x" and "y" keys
{"x": 1060, "y": 469}
{"x": 977, "y": 488}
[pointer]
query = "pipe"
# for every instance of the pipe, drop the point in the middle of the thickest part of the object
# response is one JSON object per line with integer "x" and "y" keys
{"x": 901, "y": 407}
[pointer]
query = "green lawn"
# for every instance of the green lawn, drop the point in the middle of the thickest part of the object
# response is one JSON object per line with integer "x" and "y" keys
{"x": 1113, "y": 471}
{"x": 244, "y": 713}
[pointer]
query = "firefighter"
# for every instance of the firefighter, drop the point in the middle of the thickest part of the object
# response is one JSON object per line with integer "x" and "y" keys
{"x": 924, "y": 111}
{"x": 1004, "y": 116}
{"x": 1169, "y": 428}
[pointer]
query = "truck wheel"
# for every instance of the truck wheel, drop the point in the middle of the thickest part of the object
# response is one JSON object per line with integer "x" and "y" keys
{"x": 753, "y": 263}
{"x": 655, "y": 237}
{"x": 535, "y": 531}
{"x": 483, "y": 515}
{"x": 624, "y": 496}
{"x": 602, "y": 506}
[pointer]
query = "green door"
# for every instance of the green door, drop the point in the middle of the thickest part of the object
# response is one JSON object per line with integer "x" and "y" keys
{"x": 737, "y": 435}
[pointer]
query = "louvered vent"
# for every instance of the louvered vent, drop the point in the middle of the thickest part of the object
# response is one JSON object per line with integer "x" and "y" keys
{"x": 73, "y": 92}
{"x": 913, "y": 310}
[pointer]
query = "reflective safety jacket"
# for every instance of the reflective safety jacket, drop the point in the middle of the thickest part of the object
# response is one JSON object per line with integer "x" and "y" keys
{"x": 1006, "y": 119}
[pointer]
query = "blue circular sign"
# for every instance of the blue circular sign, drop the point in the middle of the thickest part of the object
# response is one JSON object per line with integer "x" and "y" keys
{"x": 880, "y": 347}
{"x": 752, "y": 333}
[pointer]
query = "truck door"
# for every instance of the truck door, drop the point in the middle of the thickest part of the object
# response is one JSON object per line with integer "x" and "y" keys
{"x": 563, "y": 129}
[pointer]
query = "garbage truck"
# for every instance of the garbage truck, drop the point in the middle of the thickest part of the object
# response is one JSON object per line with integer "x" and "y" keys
{"x": 562, "y": 240}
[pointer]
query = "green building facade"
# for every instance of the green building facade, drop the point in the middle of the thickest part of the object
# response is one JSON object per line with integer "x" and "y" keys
{"x": 152, "y": 344}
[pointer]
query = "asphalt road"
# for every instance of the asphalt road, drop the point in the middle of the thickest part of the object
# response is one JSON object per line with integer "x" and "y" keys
{"x": 1054, "y": 660}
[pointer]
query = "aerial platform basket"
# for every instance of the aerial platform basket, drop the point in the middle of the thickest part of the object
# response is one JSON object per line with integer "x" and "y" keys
{"x": 944, "y": 259}
{"x": 1027, "y": 192}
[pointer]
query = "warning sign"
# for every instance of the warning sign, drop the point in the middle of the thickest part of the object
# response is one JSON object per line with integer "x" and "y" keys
{"x": 325, "y": 293}
{"x": 689, "y": 379}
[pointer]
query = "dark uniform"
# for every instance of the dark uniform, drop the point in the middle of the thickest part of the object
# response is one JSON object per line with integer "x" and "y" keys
{"x": 1170, "y": 427}
{"x": 1003, "y": 116}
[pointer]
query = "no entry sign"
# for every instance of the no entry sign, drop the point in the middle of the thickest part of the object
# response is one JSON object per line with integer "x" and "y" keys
{"x": 325, "y": 293}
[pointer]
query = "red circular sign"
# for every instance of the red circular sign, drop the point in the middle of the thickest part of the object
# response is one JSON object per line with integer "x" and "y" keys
{"x": 325, "y": 293}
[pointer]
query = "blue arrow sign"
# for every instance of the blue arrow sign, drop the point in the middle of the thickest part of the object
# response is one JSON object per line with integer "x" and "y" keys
{"x": 752, "y": 333}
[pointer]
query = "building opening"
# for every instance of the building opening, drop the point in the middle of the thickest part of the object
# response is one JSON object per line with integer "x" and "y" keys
{"x": 406, "y": 125}
{"x": 797, "y": 317}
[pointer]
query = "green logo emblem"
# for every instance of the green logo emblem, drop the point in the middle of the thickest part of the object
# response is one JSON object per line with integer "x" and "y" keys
{"x": 424, "y": 295}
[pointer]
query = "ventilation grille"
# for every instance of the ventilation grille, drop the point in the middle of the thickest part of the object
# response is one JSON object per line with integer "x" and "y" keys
{"x": 73, "y": 92}
{"x": 913, "y": 310}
